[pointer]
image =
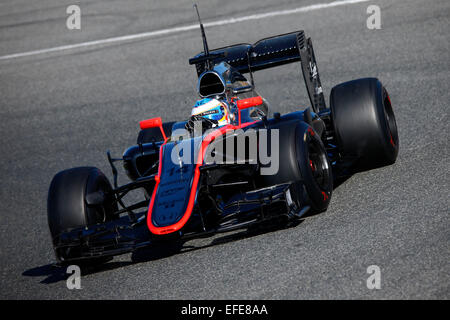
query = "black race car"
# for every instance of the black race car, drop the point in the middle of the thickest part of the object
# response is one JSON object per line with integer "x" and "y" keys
{"x": 196, "y": 185}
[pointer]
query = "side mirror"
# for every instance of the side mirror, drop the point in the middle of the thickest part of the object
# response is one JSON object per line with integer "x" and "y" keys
{"x": 248, "y": 103}
{"x": 153, "y": 123}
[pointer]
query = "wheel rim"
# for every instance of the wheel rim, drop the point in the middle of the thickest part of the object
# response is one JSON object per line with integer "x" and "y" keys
{"x": 102, "y": 212}
{"x": 390, "y": 120}
{"x": 318, "y": 164}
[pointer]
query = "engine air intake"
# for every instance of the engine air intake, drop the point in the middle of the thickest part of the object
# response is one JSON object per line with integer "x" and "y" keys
{"x": 210, "y": 84}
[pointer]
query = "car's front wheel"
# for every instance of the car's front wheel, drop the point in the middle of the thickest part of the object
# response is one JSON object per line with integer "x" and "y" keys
{"x": 304, "y": 163}
{"x": 68, "y": 208}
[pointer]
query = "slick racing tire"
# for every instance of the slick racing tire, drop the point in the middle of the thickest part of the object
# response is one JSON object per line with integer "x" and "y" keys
{"x": 364, "y": 123}
{"x": 67, "y": 207}
{"x": 304, "y": 163}
{"x": 154, "y": 134}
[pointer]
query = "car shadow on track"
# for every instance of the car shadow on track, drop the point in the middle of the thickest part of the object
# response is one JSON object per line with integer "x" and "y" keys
{"x": 55, "y": 273}
{"x": 150, "y": 254}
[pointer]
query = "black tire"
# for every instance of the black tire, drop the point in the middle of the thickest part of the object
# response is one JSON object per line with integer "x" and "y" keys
{"x": 299, "y": 146}
{"x": 66, "y": 204}
{"x": 154, "y": 134}
{"x": 364, "y": 123}
{"x": 315, "y": 167}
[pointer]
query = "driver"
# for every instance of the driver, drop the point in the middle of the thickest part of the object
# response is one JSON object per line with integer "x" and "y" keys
{"x": 212, "y": 111}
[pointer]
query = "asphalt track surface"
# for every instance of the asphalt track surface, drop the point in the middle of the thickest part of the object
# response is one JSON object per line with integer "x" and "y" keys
{"x": 66, "y": 108}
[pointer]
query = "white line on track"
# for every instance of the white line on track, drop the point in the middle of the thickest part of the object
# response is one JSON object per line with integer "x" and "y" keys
{"x": 182, "y": 29}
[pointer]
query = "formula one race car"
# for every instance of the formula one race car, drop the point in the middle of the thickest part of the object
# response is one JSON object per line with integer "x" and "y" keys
{"x": 229, "y": 166}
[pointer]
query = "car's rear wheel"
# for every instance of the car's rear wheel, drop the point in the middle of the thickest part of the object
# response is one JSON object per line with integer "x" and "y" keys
{"x": 364, "y": 123}
{"x": 68, "y": 209}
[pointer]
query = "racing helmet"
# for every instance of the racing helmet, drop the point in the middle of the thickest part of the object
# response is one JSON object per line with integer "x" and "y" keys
{"x": 212, "y": 109}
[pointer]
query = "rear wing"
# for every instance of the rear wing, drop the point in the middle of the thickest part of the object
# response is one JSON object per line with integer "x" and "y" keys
{"x": 265, "y": 53}
{"x": 268, "y": 53}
